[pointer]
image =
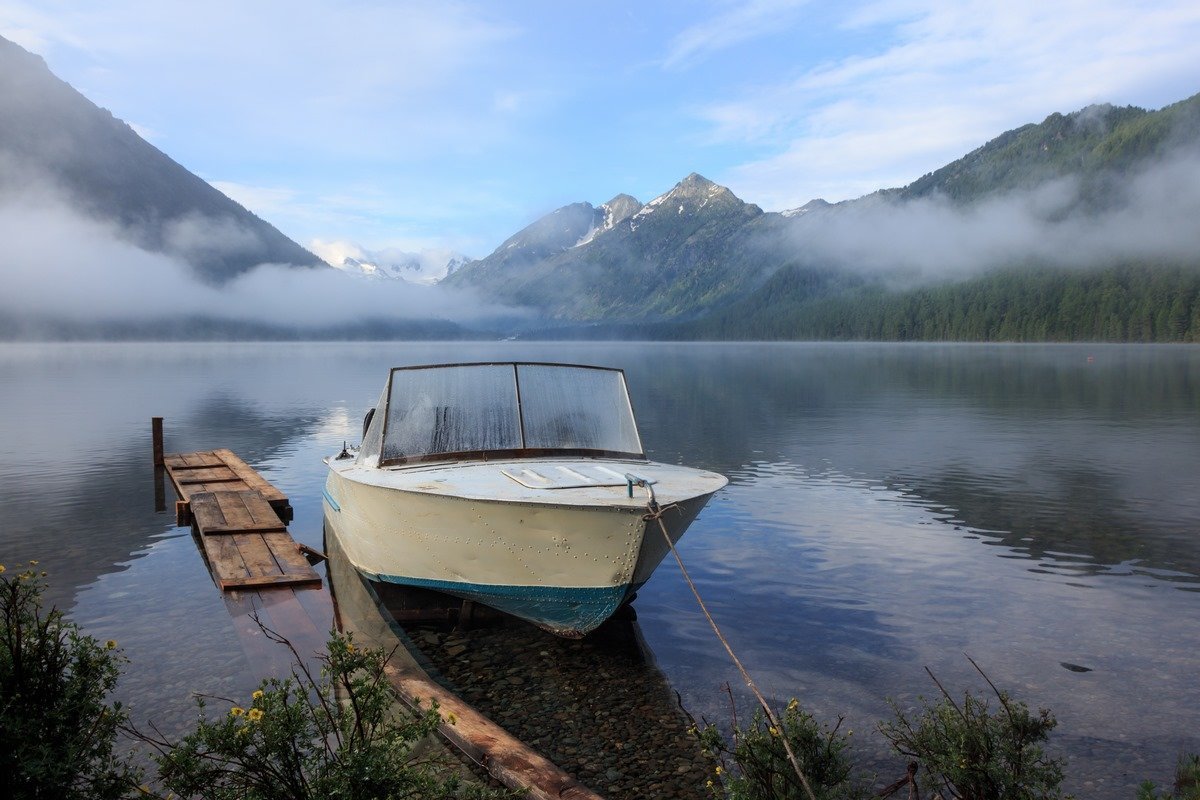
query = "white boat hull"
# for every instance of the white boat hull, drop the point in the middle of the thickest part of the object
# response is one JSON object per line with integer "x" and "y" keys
{"x": 562, "y": 558}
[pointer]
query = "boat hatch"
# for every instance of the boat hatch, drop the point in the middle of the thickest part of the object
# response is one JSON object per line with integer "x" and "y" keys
{"x": 494, "y": 410}
{"x": 566, "y": 476}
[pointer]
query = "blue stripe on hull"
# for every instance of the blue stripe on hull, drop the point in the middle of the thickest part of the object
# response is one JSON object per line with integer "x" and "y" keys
{"x": 565, "y": 611}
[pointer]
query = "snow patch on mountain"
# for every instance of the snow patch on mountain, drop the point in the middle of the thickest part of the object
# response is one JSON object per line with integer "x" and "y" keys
{"x": 426, "y": 267}
{"x": 615, "y": 211}
{"x": 807, "y": 208}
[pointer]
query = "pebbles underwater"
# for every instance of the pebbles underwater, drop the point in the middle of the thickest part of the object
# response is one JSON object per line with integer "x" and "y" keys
{"x": 598, "y": 707}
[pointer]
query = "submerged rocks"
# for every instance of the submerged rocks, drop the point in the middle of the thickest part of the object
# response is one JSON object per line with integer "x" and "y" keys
{"x": 597, "y": 707}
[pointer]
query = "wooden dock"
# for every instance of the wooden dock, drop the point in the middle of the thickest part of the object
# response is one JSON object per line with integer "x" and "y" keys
{"x": 266, "y": 580}
{"x": 241, "y": 520}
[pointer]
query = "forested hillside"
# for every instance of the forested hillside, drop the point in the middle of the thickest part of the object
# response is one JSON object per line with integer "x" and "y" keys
{"x": 1136, "y": 303}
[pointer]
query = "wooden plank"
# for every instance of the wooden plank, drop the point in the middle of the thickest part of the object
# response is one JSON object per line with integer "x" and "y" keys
{"x": 287, "y": 554}
{"x": 260, "y": 510}
{"x": 179, "y": 464}
{"x": 256, "y": 555}
{"x": 266, "y": 658}
{"x": 249, "y": 475}
{"x": 235, "y": 512}
{"x": 224, "y": 559}
{"x": 221, "y": 474}
{"x": 183, "y": 514}
{"x": 277, "y": 528}
{"x": 507, "y": 758}
{"x": 198, "y": 488}
{"x": 317, "y": 601}
{"x": 207, "y": 512}
{"x": 204, "y": 458}
{"x": 233, "y": 509}
{"x": 291, "y": 621}
{"x": 270, "y": 580}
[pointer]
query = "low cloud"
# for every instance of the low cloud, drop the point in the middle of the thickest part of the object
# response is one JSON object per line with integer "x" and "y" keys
{"x": 62, "y": 265}
{"x": 1150, "y": 216}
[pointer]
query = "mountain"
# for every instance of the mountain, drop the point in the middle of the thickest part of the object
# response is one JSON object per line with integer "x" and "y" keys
{"x": 53, "y": 139}
{"x": 426, "y": 267}
{"x": 1098, "y": 145}
{"x": 621, "y": 261}
{"x": 1075, "y": 208}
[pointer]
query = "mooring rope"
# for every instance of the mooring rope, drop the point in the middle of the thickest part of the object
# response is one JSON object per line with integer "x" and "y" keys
{"x": 656, "y": 514}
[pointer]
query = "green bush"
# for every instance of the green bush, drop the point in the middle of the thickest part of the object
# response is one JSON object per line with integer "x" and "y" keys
{"x": 1187, "y": 782}
{"x": 344, "y": 734}
{"x": 756, "y": 767}
{"x": 57, "y": 730}
{"x": 967, "y": 751}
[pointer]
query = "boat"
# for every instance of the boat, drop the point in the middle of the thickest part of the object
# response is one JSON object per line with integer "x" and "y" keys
{"x": 520, "y": 485}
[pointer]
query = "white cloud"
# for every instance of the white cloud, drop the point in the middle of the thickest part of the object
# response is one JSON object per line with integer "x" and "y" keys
{"x": 736, "y": 23}
{"x": 334, "y": 77}
{"x": 63, "y": 265}
{"x": 1149, "y": 217}
{"x": 953, "y": 75}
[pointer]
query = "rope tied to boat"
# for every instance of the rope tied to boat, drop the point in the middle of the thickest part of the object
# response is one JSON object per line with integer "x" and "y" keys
{"x": 655, "y": 512}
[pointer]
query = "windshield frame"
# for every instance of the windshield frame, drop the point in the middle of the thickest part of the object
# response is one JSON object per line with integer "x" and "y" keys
{"x": 517, "y": 452}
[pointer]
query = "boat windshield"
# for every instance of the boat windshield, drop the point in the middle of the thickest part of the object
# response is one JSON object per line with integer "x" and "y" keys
{"x": 466, "y": 410}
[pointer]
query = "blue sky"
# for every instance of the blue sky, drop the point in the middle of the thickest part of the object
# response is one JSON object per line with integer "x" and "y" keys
{"x": 454, "y": 124}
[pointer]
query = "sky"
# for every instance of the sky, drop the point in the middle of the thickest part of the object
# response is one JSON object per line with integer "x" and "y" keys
{"x": 454, "y": 124}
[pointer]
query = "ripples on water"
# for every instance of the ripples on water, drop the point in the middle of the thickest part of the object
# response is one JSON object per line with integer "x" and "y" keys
{"x": 890, "y": 508}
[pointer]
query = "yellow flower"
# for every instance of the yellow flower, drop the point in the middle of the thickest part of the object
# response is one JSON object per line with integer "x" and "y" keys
{"x": 792, "y": 706}
{"x": 236, "y": 711}
{"x": 254, "y": 714}
{"x": 719, "y": 769}
{"x": 709, "y": 784}
{"x": 349, "y": 647}
{"x": 1, "y": 568}
{"x": 773, "y": 731}
{"x": 33, "y": 563}
{"x": 111, "y": 644}
{"x": 258, "y": 694}
{"x": 453, "y": 720}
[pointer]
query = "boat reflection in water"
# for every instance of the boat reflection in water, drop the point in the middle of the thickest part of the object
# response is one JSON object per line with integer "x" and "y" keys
{"x": 597, "y": 706}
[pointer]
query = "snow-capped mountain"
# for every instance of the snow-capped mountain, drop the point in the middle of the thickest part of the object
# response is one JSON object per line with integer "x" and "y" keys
{"x": 623, "y": 259}
{"x": 426, "y": 267}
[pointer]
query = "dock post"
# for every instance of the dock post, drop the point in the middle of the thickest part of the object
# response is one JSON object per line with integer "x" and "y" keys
{"x": 156, "y": 433}
{"x": 160, "y": 470}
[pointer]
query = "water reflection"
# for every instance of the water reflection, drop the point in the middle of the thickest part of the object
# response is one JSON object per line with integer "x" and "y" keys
{"x": 599, "y": 707}
{"x": 845, "y": 603}
{"x": 890, "y": 507}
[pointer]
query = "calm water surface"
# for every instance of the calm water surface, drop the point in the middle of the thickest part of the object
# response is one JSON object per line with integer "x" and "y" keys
{"x": 890, "y": 508}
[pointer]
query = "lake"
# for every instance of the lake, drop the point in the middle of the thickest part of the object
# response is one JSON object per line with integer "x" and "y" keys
{"x": 890, "y": 508}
